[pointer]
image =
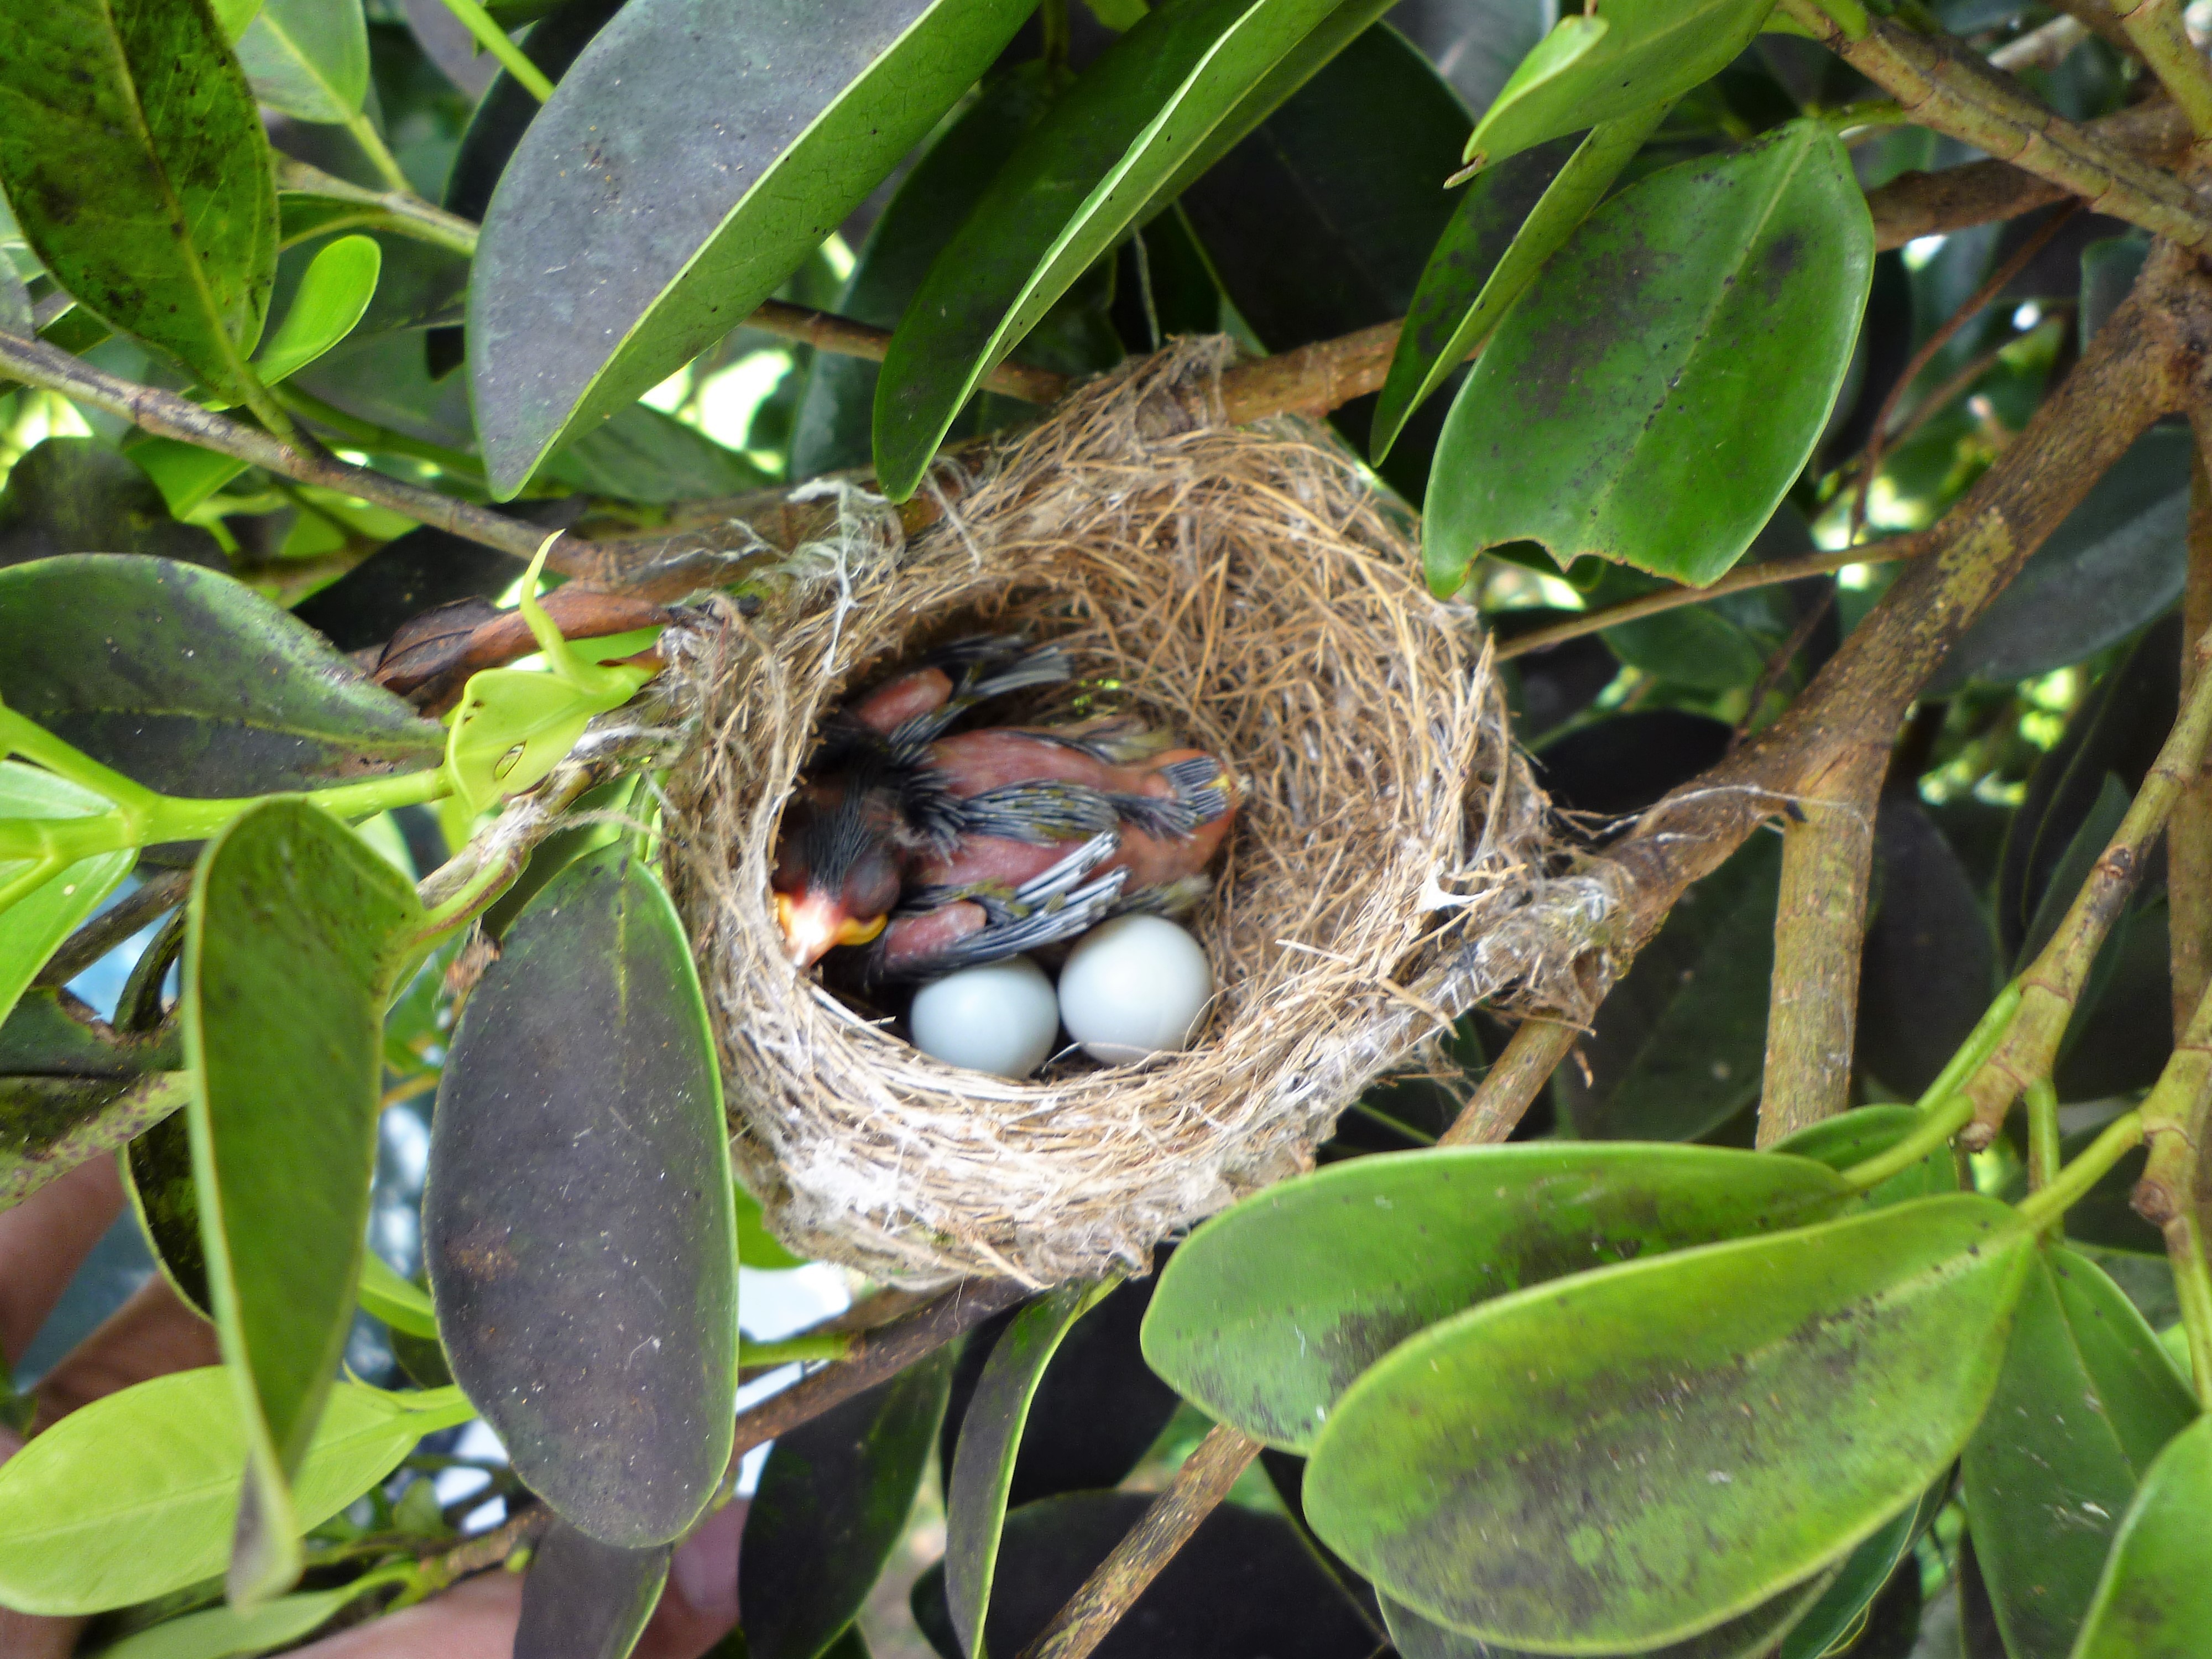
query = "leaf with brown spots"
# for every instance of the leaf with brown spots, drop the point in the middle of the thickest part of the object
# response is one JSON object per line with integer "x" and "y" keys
{"x": 134, "y": 159}
{"x": 578, "y": 1222}
{"x": 1634, "y": 1455}
{"x": 1653, "y": 398}
{"x": 1271, "y": 1311}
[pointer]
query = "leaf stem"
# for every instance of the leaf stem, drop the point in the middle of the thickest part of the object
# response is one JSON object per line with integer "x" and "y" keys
{"x": 493, "y": 39}
{"x": 793, "y": 1351}
{"x": 379, "y": 154}
{"x": 2193, "y": 1283}
{"x": 2051, "y": 985}
{"x": 2043, "y": 1151}
{"x": 1944, "y": 1109}
{"x": 412, "y": 216}
{"x": 2122, "y": 1136}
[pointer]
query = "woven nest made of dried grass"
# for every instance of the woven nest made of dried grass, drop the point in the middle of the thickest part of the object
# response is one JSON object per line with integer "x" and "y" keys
{"x": 1251, "y": 590}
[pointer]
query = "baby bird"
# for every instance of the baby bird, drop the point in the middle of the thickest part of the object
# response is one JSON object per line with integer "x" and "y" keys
{"x": 938, "y": 852}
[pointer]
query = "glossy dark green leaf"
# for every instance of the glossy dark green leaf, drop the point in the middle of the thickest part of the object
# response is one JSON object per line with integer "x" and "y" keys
{"x": 133, "y": 1495}
{"x": 1843, "y": 1607}
{"x": 1695, "y": 647}
{"x": 1653, "y": 401}
{"x": 2087, "y": 1401}
{"x": 585, "y": 1600}
{"x": 1270, "y": 1311}
{"x": 1679, "y": 1043}
{"x": 1731, "y": 1417}
{"x": 308, "y": 57}
{"x": 1099, "y": 1410}
{"x": 1246, "y": 1583}
{"x": 133, "y": 158}
{"x": 157, "y": 1172}
{"x": 2151, "y": 1602}
{"x": 681, "y": 170}
{"x": 1069, "y": 190}
{"x": 78, "y": 495}
{"x": 1512, "y": 219}
{"x": 192, "y": 683}
{"x": 1747, "y": 1636}
{"x": 1611, "y": 63}
{"x": 2117, "y": 561}
{"x": 1312, "y": 236}
{"x": 990, "y": 1438}
{"x": 831, "y": 430}
{"x": 1855, "y": 1136}
{"x": 578, "y": 1224}
{"x": 291, "y": 943}
{"x": 831, "y": 1503}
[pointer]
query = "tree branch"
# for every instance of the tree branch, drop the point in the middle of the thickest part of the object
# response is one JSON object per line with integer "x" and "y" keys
{"x": 1510, "y": 1086}
{"x": 2153, "y": 27}
{"x": 2189, "y": 833}
{"x": 1939, "y": 86}
{"x": 1198, "y": 1488}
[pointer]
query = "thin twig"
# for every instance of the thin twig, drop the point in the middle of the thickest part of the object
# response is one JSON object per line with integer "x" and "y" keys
{"x": 876, "y": 1355}
{"x": 2155, "y": 28}
{"x": 1741, "y": 580}
{"x": 1942, "y": 87}
{"x": 1976, "y": 303}
{"x": 1197, "y": 1490}
{"x": 158, "y": 893}
{"x": 1512, "y": 1082}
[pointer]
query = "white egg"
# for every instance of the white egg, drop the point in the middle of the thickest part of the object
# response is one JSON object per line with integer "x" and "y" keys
{"x": 1001, "y": 1018}
{"x": 1133, "y": 986}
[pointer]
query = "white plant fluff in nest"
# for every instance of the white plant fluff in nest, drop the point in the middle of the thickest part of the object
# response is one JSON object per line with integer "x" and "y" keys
{"x": 1251, "y": 590}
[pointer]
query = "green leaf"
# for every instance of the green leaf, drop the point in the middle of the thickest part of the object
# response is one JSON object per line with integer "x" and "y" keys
{"x": 185, "y": 474}
{"x": 49, "y": 1033}
{"x": 1510, "y": 220}
{"x": 830, "y": 428}
{"x": 333, "y": 295}
{"x": 1728, "y": 1419}
{"x": 139, "y": 105}
{"x": 308, "y": 57}
{"x": 192, "y": 683}
{"x": 681, "y": 171}
{"x": 221, "y": 1632}
{"x": 585, "y": 1598}
{"x": 641, "y": 454}
{"x": 832, "y": 1501}
{"x": 1679, "y": 1043}
{"x": 1853, "y": 1137}
{"x": 2113, "y": 564}
{"x": 134, "y": 1495}
{"x": 1843, "y": 1606}
{"x": 1653, "y": 400}
{"x": 290, "y": 946}
{"x": 2086, "y": 1401}
{"x": 1271, "y": 1309}
{"x": 157, "y": 1169}
{"x": 397, "y": 1301}
{"x": 756, "y": 1246}
{"x": 78, "y": 495}
{"x": 2151, "y": 1603}
{"x": 990, "y": 1439}
{"x": 578, "y": 1210}
{"x": 510, "y": 728}
{"x": 1747, "y": 1636}
{"x": 1073, "y": 186}
{"x": 1592, "y": 69}
{"x": 34, "y": 924}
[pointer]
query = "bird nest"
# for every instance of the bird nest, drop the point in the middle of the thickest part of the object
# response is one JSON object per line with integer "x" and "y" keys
{"x": 1252, "y": 591}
